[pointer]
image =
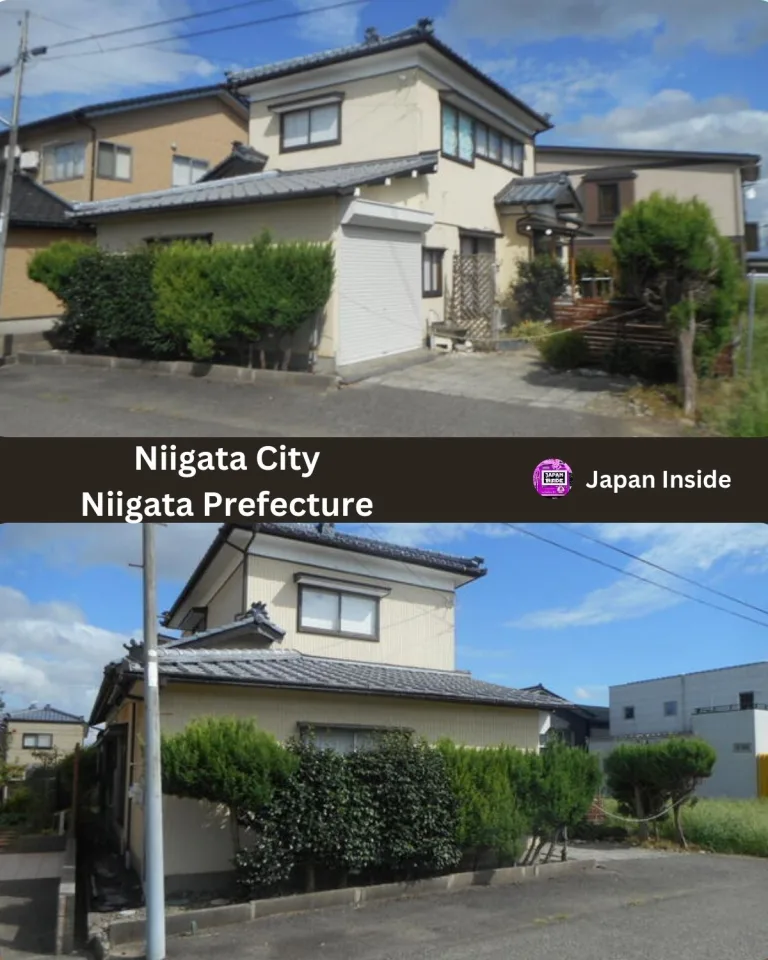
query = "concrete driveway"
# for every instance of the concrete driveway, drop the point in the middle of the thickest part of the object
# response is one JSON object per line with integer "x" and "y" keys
{"x": 53, "y": 401}
{"x": 517, "y": 377}
{"x": 686, "y": 907}
{"x": 29, "y": 885}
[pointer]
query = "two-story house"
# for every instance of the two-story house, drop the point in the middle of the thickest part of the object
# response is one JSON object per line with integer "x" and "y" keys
{"x": 27, "y": 736}
{"x": 304, "y": 628}
{"x": 609, "y": 180}
{"x": 417, "y": 167}
{"x": 727, "y": 707}
{"x": 108, "y": 150}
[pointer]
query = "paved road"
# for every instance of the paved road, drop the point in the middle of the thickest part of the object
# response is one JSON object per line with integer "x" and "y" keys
{"x": 82, "y": 402}
{"x": 691, "y": 907}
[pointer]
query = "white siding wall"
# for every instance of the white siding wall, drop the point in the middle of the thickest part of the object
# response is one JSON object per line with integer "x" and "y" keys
{"x": 709, "y": 688}
{"x": 735, "y": 771}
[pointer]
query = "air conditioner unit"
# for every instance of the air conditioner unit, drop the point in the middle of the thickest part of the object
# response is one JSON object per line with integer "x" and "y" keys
{"x": 30, "y": 160}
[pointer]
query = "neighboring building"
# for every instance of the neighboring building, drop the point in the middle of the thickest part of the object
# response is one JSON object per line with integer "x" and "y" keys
{"x": 728, "y": 707}
{"x": 129, "y": 146}
{"x": 302, "y": 628}
{"x": 38, "y": 219}
{"x": 609, "y": 180}
{"x": 40, "y": 730}
{"x": 576, "y": 724}
{"x": 416, "y": 167}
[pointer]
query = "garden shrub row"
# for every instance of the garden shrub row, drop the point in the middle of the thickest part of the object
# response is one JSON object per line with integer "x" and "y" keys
{"x": 186, "y": 300}
{"x": 401, "y": 810}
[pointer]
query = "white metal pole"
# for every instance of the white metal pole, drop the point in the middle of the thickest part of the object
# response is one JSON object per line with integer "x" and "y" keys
{"x": 153, "y": 800}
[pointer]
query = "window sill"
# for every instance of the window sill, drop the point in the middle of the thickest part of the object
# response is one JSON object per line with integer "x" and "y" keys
{"x": 464, "y": 163}
{"x": 311, "y": 146}
{"x": 66, "y": 179}
{"x": 336, "y": 633}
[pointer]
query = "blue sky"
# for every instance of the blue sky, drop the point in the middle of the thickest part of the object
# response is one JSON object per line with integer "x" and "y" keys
{"x": 69, "y": 600}
{"x": 691, "y": 74}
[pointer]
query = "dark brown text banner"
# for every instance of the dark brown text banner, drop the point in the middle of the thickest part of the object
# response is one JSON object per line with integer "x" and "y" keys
{"x": 116, "y": 480}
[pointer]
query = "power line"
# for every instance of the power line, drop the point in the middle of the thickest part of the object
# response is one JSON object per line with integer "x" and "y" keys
{"x": 656, "y": 566}
{"x": 149, "y": 26}
{"x": 635, "y": 576}
{"x": 293, "y": 15}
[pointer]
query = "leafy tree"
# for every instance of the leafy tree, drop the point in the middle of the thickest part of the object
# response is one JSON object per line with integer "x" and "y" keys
{"x": 225, "y": 761}
{"x": 672, "y": 256}
{"x": 539, "y": 283}
{"x": 649, "y": 778}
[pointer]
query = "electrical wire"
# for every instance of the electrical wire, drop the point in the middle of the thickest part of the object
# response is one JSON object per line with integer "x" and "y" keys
{"x": 635, "y": 576}
{"x": 657, "y": 566}
{"x": 293, "y": 15}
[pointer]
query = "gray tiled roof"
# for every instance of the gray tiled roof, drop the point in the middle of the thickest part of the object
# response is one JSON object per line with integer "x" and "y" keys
{"x": 544, "y": 188}
{"x": 266, "y": 186}
{"x": 421, "y": 33}
{"x": 35, "y": 206}
{"x": 290, "y": 669}
{"x": 46, "y": 714}
{"x": 256, "y": 618}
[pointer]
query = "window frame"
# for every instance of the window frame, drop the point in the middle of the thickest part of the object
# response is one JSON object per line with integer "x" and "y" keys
{"x": 115, "y": 148}
{"x": 629, "y": 713}
{"x": 747, "y": 700}
{"x": 36, "y": 737}
{"x": 310, "y": 145}
{"x": 164, "y": 241}
{"x": 47, "y": 147}
{"x": 670, "y": 708}
{"x": 339, "y": 592}
{"x": 458, "y": 114}
{"x": 427, "y": 255}
{"x": 178, "y": 157}
{"x": 306, "y": 729}
{"x": 601, "y": 187}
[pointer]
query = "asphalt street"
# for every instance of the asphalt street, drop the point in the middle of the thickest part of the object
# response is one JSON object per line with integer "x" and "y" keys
{"x": 675, "y": 907}
{"x": 48, "y": 401}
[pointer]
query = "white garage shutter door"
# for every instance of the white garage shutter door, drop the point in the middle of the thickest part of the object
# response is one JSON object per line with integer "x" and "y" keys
{"x": 379, "y": 294}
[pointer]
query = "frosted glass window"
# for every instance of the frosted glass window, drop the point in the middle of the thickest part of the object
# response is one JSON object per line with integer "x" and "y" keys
{"x": 324, "y": 124}
{"x": 319, "y": 610}
{"x": 338, "y": 612}
{"x": 358, "y": 615}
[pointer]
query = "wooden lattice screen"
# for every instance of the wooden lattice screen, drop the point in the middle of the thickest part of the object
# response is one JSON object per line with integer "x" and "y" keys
{"x": 474, "y": 293}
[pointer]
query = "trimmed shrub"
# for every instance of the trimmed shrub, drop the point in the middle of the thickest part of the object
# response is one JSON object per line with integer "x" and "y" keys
{"x": 567, "y": 350}
{"x": 539, "y": 282}
{"x": 54, "y": 265}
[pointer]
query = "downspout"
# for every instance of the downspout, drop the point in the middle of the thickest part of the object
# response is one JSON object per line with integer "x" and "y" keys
{"x": 94, "y": 141}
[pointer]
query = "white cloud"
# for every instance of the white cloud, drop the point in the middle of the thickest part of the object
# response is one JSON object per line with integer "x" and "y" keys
{"x": 49, "y": 653}
{"x": 333, "y": 27}
{"x": 179, "y": 546}
{"x": 687, "y": 549}
{"x": 86, "y": 71}
{"x": 590, "y": 694}
{"x": 722, "y": 27}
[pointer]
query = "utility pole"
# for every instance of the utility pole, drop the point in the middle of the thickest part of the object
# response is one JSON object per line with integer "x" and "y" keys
{"x": 13, "y": 138}
{"x": 153, "y": 793}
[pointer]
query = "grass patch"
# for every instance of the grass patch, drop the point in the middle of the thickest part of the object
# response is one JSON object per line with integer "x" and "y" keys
{"x": 725, "y": 826}
{"x": 528, "y": 330}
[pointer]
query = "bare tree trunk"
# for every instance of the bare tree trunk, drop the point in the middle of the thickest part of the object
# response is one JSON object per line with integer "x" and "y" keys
{"x": 679, "y": 826}
{"x": 564, "y": 847}
{"x": 287, "y": 357}
{"x": 250, "y": 356}
{"x": 234, "y": 830}
{"x": 263, "y": 358}
{"x": 686, "y": 370}
{"x": 642, "y": 827}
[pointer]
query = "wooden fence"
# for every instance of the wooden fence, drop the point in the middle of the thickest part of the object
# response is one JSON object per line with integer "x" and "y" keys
{"x": 606, "y": 325}
{"x": 473, "y": 295}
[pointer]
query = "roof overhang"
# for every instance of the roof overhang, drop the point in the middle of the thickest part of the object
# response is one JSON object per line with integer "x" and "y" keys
{"x": 563, "y": 229}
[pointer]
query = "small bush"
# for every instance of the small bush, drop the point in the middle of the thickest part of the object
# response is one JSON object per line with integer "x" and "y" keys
{"x": 529, "y": 330}
{"x": 54, "y": 265}
{"x": 539, "y": 283}
{"x": 564, "y": 351}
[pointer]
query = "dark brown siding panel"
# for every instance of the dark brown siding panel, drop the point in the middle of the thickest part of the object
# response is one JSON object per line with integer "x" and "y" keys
{"x": 588, "y": 195}
{"x": 626, "y": 194}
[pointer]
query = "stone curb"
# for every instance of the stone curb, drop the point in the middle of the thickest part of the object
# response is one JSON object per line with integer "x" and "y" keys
{"x": 65, "y": 912}
{"x": 122, "y": 932}
{"x": 178, "y": 368}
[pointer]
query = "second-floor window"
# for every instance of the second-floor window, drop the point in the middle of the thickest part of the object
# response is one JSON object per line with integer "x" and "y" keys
{"x": 465, "y": 138}
{"x": 747, "y": 700}
{"x": 629, "y": 713}
{"x": 114, "y": 162}
{"x": 188, "y": 170}
{"x": 670, "y": 708}
{"x": 339, "y": 613}
{"x": 37, "y": 741}
{"x": 310, "y": 127}
{"x": 63, "y": 161}
{"x": 608, "y": 202}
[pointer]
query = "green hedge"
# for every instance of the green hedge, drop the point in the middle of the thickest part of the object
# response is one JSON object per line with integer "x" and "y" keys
{"x": 406, "y": 809}
{"x": 185, "y": 300}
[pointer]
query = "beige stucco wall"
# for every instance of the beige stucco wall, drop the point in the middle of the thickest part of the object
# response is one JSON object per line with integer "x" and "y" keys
{"x": 66, "y": 736}
{"x": 197, "y": 838}
{"x": 22, "y": 297}
{"x": 718, "y": 185}
{"x": 203, "y": 129}
{"x": 228, "y": 601}
{"x": 313, "y": 220}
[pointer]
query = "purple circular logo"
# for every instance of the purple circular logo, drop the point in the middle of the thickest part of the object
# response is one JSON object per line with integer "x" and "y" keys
{"x": 552, "y": 478}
